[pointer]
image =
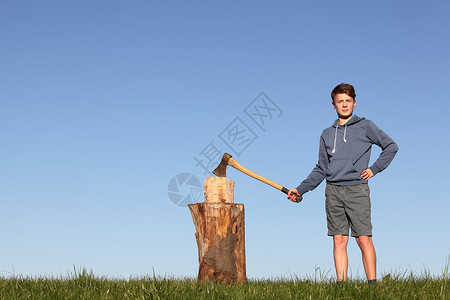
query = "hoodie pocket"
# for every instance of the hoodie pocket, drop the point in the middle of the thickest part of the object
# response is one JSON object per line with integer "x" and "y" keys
{"x": 341, "y": 169}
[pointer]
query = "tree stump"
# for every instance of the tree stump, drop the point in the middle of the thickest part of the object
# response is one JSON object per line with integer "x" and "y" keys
{"x": 219, "y": 224}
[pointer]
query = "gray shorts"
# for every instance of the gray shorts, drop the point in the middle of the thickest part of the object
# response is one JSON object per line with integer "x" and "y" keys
{"x": 348, "y": 205}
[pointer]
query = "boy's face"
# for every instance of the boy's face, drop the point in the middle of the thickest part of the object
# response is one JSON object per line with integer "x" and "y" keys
{"x": 344, "y": 105}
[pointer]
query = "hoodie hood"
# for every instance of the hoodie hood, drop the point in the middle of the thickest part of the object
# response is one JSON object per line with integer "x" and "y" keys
{"x": 353, "y": 120}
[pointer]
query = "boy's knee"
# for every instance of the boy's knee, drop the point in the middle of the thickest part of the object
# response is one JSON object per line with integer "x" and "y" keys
{"x": 364, "y": 240}
{"x": 340, "y": 240}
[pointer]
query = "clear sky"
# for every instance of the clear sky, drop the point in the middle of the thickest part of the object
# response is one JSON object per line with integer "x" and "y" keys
{"x": 104, "y": 103}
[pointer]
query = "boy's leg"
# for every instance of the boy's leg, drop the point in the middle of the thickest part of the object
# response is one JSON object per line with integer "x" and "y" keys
{"x": 340, "y": 256}
{"x": 358, "y": 210}
{"x": 368, "y": 256}
{"x": 338, "y": 228}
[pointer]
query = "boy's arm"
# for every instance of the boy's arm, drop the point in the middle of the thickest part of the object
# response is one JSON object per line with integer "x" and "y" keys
{"x": 318, "y": 173}
{"x": 388, "y": 146}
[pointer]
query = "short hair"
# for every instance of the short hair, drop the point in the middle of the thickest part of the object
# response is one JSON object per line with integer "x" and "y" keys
{"x": 343, "y": 88}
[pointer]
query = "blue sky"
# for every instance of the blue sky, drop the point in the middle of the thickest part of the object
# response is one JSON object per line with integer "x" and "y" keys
{"x": 104, "y": 102}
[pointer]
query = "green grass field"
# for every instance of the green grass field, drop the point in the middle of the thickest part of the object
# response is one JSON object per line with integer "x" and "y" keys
{"x": 85, "y": 285}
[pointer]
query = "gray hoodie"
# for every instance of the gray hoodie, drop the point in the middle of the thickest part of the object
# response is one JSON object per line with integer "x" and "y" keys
{"x": 345, "y": 152}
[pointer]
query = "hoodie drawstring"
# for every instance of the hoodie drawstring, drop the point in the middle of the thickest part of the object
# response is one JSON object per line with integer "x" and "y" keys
{"x": 335, "y": 136}
{"x": 345, "y": 132}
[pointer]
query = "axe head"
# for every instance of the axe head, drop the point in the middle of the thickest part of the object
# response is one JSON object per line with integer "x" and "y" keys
{"x": 221, "y": 170}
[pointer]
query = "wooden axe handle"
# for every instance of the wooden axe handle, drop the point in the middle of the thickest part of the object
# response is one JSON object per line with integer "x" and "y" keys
{"x": 232, "y": 162}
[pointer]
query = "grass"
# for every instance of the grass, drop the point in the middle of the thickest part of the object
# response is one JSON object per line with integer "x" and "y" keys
{"x": 85, "y": 285}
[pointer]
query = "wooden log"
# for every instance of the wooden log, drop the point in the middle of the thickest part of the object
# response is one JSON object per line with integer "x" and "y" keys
{"x": 219, "y": 190}
{"x": 220, "y": 240}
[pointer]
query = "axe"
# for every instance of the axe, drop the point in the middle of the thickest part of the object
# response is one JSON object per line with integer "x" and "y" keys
{"x": 221, "y": 171}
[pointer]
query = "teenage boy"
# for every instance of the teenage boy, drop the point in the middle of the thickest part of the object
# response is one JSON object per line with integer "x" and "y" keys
{"x": 344, "y": 155}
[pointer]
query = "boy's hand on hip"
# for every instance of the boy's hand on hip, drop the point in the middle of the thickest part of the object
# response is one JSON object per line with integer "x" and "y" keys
{"x": 291, "y": 195}
{"x": 367, "y": 174}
